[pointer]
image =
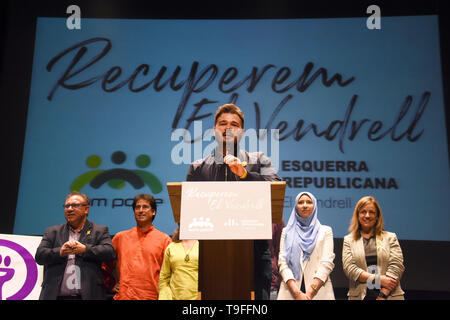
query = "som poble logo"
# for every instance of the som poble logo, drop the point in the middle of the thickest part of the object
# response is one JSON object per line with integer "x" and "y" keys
{"x": 117, "y": 178}
{"x": 18, "y": 271}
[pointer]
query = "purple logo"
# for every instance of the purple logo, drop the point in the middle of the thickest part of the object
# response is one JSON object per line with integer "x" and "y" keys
{"x": 7, "y": 271}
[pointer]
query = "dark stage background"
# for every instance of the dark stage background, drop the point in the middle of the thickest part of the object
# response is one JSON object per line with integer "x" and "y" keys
{"x": 426, "y": 262}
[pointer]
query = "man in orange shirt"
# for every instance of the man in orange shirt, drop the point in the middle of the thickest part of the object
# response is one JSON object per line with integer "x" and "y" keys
{"x": 140, "y": 253}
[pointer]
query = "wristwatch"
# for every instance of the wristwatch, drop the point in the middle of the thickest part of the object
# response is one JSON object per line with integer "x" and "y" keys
{"x": 315, "y": 287}
{"x": 382, "y": 295}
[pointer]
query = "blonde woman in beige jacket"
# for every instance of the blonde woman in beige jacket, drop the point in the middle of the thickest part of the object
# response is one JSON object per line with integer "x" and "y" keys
{"x": 371, "y": 257}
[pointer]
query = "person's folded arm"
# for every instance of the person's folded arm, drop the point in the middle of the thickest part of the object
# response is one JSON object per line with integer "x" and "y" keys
{"x": 102, "y": 250}
{"x": 46, "y": 253}
{"x": 351, "y": 269}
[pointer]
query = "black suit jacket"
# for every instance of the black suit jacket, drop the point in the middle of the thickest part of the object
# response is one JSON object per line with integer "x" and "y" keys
{"x": 99, "y": 248}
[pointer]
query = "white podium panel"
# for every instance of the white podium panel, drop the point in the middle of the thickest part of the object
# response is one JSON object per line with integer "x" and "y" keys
{"x": 226, "y": 210}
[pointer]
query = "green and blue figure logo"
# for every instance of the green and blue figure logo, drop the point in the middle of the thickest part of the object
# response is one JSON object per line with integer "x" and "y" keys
{"x": 117, "y": 178}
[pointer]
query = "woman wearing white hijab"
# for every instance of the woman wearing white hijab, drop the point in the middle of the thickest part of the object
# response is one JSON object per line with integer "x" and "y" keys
{"x": 306, "y": 254}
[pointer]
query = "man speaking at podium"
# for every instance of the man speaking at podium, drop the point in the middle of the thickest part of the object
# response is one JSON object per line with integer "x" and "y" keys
{"x": 228, "y": 163}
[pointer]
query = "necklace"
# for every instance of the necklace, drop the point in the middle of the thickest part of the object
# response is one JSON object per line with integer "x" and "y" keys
{"x": 187, "y": 258}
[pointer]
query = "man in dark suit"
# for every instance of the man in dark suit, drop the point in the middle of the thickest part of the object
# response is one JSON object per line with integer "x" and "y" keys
{"x": 228, "y": 163}
{"x": 72, "y": 254}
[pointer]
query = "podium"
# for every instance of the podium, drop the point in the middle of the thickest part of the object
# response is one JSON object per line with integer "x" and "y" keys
{"x": 226, "y": 267}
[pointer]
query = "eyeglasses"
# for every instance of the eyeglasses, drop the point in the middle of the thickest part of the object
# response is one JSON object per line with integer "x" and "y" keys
{"x": 145, "y": 207}
{"x": 74, "y": 205}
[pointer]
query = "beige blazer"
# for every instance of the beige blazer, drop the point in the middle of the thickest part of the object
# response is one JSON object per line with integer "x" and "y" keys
{"x": 389, "y": 263}
{"x": 319, "y": 265}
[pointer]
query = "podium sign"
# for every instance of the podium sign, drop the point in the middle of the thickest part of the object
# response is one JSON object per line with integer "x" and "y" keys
{"x": 226, "y": 210}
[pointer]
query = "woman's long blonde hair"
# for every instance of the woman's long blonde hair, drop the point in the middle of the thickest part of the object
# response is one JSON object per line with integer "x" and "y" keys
{"x": 355, "y": 226}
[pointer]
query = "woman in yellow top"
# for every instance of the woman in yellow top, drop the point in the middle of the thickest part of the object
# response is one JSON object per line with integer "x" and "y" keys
{"x": 178, "y": 279}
